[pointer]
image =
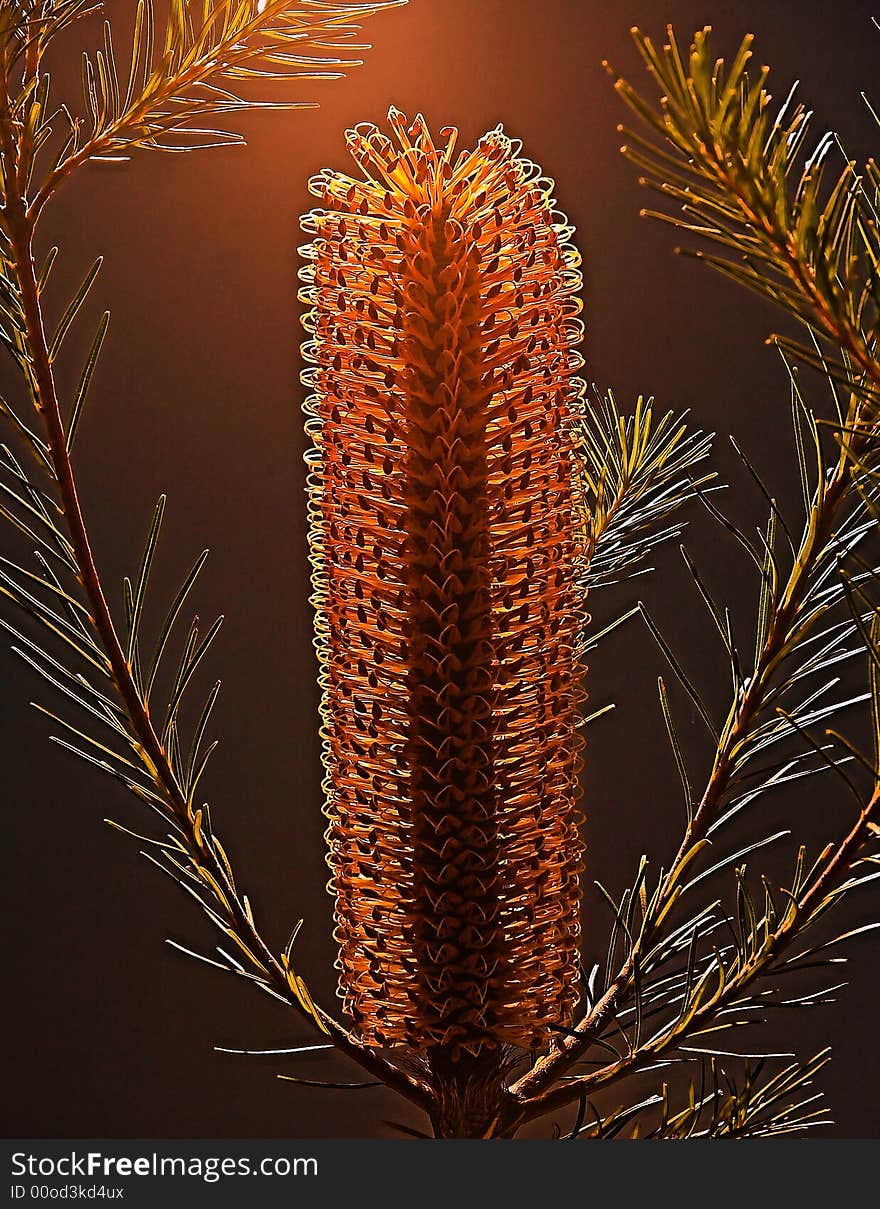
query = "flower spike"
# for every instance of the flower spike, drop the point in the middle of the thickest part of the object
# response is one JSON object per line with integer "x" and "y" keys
{"x": 443, "y": 530}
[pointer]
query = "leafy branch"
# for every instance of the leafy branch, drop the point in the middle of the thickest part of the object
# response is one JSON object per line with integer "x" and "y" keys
{"x": 744, "y": 182}
{"x": 635, "y": 473}
{"x": 723, "y": 163}
{"x": 801, "y": 636}
{"x": 718, "y": 992}
{"x": 104, "y": 671}
{"x": 759, "y": 1104}
{"x": 190, "y": 74}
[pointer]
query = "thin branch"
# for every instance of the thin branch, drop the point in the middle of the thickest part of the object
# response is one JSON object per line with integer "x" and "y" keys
{"x": 834, "y": 870}
{"x": 238, "y": 921}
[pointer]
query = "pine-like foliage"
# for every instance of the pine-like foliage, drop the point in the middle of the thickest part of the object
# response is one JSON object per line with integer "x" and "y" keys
{"x": 444, "y": 540}
{"x": 746, "y": 178}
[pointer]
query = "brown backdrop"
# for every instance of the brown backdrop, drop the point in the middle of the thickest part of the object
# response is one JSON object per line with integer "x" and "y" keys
{"x": 108, "y": 1032}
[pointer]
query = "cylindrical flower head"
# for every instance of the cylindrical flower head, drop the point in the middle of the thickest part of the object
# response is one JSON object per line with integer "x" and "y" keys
{"x": 443, "y": 544}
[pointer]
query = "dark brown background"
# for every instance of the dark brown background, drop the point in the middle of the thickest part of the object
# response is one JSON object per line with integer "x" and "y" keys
{"x": 108, "y": 1032}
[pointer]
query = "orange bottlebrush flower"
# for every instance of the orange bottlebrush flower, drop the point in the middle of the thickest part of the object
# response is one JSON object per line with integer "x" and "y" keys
{"x": 443, "y": 542}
